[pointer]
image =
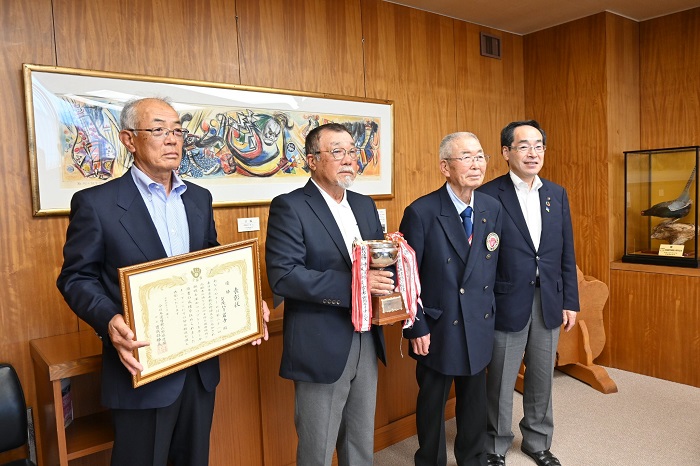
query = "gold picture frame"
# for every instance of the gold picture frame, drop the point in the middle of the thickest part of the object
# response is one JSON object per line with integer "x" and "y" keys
{"x": 245, "y": 144}
{"x": 193, "y": 306}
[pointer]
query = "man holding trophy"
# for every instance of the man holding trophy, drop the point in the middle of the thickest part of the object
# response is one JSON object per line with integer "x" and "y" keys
{"x": 331, "y": 359}
{"x": 455, "y": 233}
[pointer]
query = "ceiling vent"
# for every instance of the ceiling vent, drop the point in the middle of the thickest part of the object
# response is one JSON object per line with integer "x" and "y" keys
{"x": 490, "y": 46}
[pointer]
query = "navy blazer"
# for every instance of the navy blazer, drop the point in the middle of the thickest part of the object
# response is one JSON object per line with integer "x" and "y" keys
{"x": 109, "y": 228}
{"x": 518, "y": 262}
{"x": 456, "y": 281}
{"x": 308, "y": 264}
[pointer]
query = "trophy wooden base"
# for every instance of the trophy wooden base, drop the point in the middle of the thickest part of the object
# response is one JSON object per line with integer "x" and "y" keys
{"x": 388, "y": 309}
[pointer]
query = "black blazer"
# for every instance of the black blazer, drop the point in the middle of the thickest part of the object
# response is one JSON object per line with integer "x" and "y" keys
{"x": 518, "y": 262}
{"x": 309, "y": 265}
{"x": 456, "y": 281}
{"x": 110, "y": 227}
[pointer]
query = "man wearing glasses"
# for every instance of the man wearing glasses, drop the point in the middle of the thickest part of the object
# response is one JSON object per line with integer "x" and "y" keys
{"x": 536, "y": 293}
{"x": 455, "y": 233}
{"x": 148, "y": 213}
{"x": 308, "y": 255}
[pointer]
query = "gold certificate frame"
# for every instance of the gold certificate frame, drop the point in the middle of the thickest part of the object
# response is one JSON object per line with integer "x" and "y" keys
{"x": 192, "y": 307}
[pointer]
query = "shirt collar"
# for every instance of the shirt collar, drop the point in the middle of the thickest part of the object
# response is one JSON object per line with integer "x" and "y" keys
{"x": 329, "y": 200}
{"x": 146, "y": 184}
{"x": 521, "y": 185}
{"x": 458, "y": 203}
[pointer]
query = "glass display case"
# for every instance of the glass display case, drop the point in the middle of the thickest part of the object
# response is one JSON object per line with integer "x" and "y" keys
{"x": 661, "y": 212}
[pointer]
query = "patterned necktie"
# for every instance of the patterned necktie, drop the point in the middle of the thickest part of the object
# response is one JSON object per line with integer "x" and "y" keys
{"x": 467, "y": 222}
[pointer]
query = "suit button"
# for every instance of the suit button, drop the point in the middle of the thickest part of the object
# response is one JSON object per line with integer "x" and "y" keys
{"x": 537, "y": 258}
{"x": 461, "y": 291}
{"x": 449, "y": 259}
{"x": 486, "y": 316}
{"x": 488, "y": 256}
{"x": 532, "y": 283}
{"x": 486, "y": 287}
{"x": 456, "y": 322}
{"x": 337, "y": 302}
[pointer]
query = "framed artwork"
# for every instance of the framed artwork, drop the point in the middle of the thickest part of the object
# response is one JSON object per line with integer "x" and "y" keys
{"x": 245, "y": 144}
{"x": 192, "y": 307}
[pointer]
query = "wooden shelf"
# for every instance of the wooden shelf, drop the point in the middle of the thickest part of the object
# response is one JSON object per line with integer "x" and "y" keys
{"x": 89, "y": 434}
{"x": 68, "y": 355}
{"x": 77, "y": 356}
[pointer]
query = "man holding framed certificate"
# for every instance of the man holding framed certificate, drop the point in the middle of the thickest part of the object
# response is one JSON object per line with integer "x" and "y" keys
{"x": 147, "y": 214}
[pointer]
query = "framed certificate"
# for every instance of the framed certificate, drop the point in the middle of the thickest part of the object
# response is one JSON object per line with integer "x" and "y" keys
{"x": 193, "y": 306}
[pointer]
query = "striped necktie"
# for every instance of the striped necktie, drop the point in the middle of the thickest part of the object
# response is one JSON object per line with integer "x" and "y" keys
{"x": 467, "y": 222}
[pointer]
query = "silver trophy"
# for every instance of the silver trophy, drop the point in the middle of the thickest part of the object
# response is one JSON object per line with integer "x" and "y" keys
{"x": 386, "y": 309}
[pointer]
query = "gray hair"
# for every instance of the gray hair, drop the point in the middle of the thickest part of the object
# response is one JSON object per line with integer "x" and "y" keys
{"x": 447, "y": 141}
{"x": 128, "y": 117}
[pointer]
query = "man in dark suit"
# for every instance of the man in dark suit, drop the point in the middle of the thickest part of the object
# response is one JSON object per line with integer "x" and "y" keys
{"x": 148, "y": 213}
{"x": 308, "y": 255}
{"x": 536, "y": 293}
{"x": 452, "y": 336}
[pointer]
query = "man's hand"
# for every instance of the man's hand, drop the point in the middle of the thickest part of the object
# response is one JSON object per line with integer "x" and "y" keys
{"x": 266, "y": 319}
{"x": 380, "y": 282}
{"x": 421, "y": 345}
{"x": 569, "y": 319}
{"x": 123, "y": 340}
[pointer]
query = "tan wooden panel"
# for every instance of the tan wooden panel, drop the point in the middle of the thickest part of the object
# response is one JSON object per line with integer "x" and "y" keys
{"x": 622, "y": 56}
{"x": 409, "y": 58}
{"x": 565, "y": 90}
{"x": 670, "y": 88}
{"x": 178, "y": 39}
{"x": 277, "y": 407}
{"x": 489, "y": 91}
{"x": 654, "y": 321}
{"x": 30, "y": 247}
{"x": 236, "y": 434}
{"x": 311, "y": 45}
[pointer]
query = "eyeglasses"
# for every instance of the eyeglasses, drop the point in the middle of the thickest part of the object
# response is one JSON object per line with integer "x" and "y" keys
{"x": 525, "y": 148}
{"x": 162, "y": 132}
{"x": 339, "y": 153}
{"x": 481, "y": 158}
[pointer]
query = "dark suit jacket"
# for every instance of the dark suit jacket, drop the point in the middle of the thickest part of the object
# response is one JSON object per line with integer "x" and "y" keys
{"x": 110, "y": 227}
{"x": 309, "y": 265}
{"x": 456, "y": 281}
{"x": 518, "y": 262}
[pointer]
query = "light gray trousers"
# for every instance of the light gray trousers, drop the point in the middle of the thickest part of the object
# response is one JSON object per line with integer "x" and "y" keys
{"x": 340, "y": 415}
{"x": 538, "y": 344}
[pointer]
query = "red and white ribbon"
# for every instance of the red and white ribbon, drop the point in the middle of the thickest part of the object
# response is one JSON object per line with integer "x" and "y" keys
{"x": 361, "y": 299}
{"x": 407, "y": 277}
{"x": 407, "y": 281}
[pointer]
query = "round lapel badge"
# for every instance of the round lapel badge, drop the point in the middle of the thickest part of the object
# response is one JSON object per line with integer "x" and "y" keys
{"x": 492, "y": 241}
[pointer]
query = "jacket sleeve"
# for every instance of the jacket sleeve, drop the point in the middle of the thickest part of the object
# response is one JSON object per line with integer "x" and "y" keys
{"x": 568, "y": 259}
{"x": 83, "y": 262}
{"x": 413, "y": 231}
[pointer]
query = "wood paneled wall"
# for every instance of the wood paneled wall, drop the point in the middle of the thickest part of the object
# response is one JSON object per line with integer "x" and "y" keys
{"x": 654, "y": 317}
{"x": 428, "y": 65}
{"x": 586, "y": 100}
{"x": 670, "y": 87}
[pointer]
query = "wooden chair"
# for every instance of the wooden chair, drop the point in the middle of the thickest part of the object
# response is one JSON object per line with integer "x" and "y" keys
{"x": 13, "y": 414}
{"x": 585, "y": 341}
